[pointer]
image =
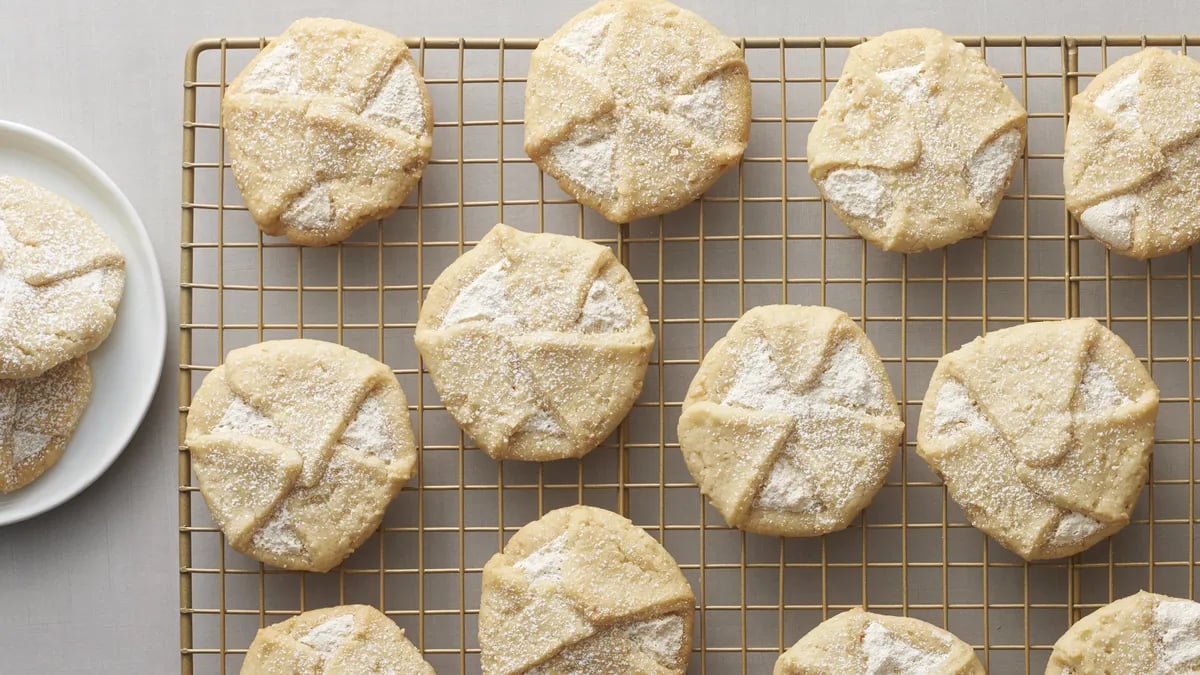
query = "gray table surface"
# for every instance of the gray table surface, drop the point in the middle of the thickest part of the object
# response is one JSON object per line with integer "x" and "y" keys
{"x": 92, "y": 587}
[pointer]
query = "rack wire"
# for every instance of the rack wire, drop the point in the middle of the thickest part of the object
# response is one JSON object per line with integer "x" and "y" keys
{"x": 761, "y": 235}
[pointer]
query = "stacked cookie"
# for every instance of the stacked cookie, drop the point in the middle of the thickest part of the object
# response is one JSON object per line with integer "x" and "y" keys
{"x": 61, "y": 280}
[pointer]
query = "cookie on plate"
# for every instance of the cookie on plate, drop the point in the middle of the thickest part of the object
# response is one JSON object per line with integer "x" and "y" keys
{"x": 299, "y": 446}
{"x": 584, "y": 591}
{"x": 330, "y": 126}
{"x": 38, "y": 415}
{"x": 861, "y": 643}
{"x": 1132, "y": 159}
{"x": 636, "y": 107}
{"x": 1143, "y": 634}
{"x": 348, "y": 639}
{"x": 537, "y": 343}
{"x": 917, "y": 143}
{"x": 1043, "y": 433}
{"x": 790, "y": 424}
{"x": 61, "y": 280}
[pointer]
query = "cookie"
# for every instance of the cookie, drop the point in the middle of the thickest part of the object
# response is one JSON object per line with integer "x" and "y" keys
{"x": 1143, "y": 634}
{"x": 636, "y": 107}
{"x": 299, "y": 446}
{"x": 537, "y": 343}
{"x": 38, "y": 415}
{"x": 1132, "y": 159}
{"x": 329, "y": 127}
{"x": 61, "y": 280}
{"x": 1043, "y": 433}
{"x": 348, "y": 639}
{"x": 917, "y": 143}
{"x": 790, "y": 424}
{"x": 584, "y": 591}
{"x": 861, "y": 643}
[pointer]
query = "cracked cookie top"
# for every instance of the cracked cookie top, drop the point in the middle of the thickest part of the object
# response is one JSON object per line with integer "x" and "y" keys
{"x": 299, "y": 446}
{"x": 790, "y": 424}
{"x": 636, "y": 107}
{"x": 330, "y": 126}
{"x": 537, "y": 343}
{"x": 918, "y": 141}
{"x": 1043, "y": 433}
{"x": 584, "y": 591}
{"x": 1132, "y": 159}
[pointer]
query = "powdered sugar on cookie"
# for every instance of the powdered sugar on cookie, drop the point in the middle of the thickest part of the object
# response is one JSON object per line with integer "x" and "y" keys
{"x": 603, "y": 311}
{"x": 703, "y": 107}
{"x": 241, "y": 418}
{"x": 544, "y": 565}
{"x": 584, "y": 40}
{"x": 1177, "y": 625}
{"x": 1111, "y": 221}
{"x": 1074, "y": 528}
{"x": 371, "y": 431}
{"x": 954, "y": 408}
{"x": 861, "y": 193}
{"x": 1099, "y": 390}
{"x": 330, "y": 635}
{"x": 1121, "y": 100}
{"x": 587, "y": 158}
{"x": 990, "y": 167}
{"x": 279, "y": 536}
{"x": 484, "y": 299}
{"x": 399, "y": 100}
{"x": 889, "y": 654}
{"x": 908, "y": 82}
{"x": 277, "y": 72}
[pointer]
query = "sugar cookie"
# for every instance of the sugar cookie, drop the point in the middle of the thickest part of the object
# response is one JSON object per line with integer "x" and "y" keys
{"x": 61, "y": 280}
{"x": 790, "y": 424}
{"x": 1143, "y": 634}
{"x": 1043, "y": 433}
{"x": 38, "y": 415}
{"x": 299, "y": 446}
{"x": 636, "y": 107}
{"x": 330, "y": 126}
{"x": 1132, "y": 159}
{"x": 861, "y": 643}
{"x": 918, "y": 141}
{"x": 584, "y": 591}
{"x": 537, "y": 343}
{"x": 349, "y": 640}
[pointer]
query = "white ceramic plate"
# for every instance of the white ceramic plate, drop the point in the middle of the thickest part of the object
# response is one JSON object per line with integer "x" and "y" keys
{"x": 127, "y": 367}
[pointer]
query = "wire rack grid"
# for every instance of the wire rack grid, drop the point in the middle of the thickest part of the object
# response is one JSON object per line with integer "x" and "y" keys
{"x": 761, "y": 235}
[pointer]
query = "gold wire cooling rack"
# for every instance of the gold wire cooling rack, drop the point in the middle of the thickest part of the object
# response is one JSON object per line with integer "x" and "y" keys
{"x": 761, "y": 235}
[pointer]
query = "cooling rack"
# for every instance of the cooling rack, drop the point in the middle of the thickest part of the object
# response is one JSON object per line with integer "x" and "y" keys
{"x": 761, "y": 235}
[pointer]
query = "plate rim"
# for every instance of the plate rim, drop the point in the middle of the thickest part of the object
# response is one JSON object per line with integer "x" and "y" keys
{"x": 159, "y": 308}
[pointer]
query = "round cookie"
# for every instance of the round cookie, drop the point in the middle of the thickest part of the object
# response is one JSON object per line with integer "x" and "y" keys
{"x": 1143, "y": 634}
{"x": 537, "y": 343}
{"x": 1042, "y": 433}
{"x": 861, "y": 643}
{"x": 61, "y": 280}
{"x": 918, "y": 141}
{"x": 38, "y": 415}
{"x": 348, "y": 639}
{"x": 584, "y": 591}
{"x": 330, "y": 126}
{"x": 1132, "y": 159}
{"x": 636, "y": 107}
{"x": 790, "y": 424}
{"x": 299, "y": 446}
